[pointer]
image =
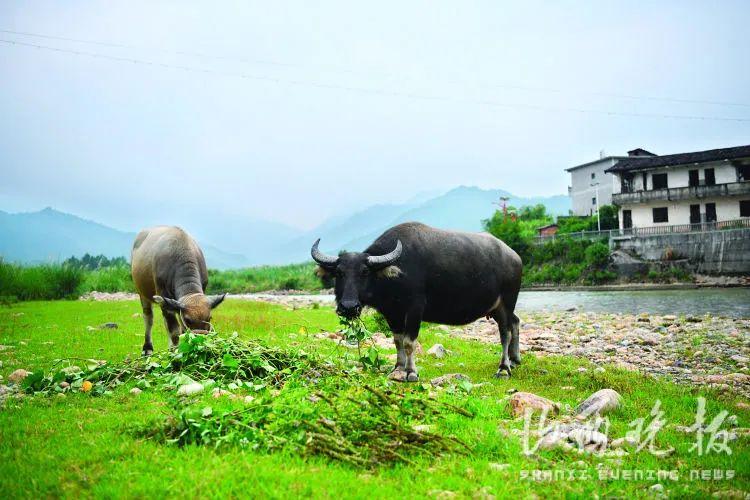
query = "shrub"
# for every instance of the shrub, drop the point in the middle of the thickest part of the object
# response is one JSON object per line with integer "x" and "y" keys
{"x": 508, "y": 229}
{"x": 109, "y": 279}
{"x": 46, "y": 282}
{"x": 608, "y": 214}
{"x": 597, "y": 255}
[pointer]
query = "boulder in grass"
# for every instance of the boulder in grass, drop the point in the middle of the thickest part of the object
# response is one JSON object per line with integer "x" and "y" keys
{"x": 598, "y": 403}
{"x": 450, "y": 378}
{"x": 624, "y": 442}
{"x": 437, "y": 351}
{"x": 522, "y": 400}
{"x": 18, "y": 375}
{"x": 584, "y": 437}
{"x": 190, "y": 389}
{"x": 554, "y": 439}
{"x": 217, "y": 392}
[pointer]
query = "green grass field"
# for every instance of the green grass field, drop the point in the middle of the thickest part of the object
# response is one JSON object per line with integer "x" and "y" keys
{"x": 82, "y": 445}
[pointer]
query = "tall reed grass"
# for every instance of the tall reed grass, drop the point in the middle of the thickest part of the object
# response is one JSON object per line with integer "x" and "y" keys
{"x": 66, "y": 281}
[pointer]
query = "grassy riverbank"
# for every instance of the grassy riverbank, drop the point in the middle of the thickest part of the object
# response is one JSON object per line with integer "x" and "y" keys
{"x": 89, "y": 445}
{"x": 58, "y": 281}
{"x": 558, "y": 265}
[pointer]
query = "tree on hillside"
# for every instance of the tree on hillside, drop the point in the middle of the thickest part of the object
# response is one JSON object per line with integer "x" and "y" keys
{"x": 608, "y": 217}
{"x": 507, "y": 228}
{"x": 536, "y": 212}
{"x": 92, "y": 262}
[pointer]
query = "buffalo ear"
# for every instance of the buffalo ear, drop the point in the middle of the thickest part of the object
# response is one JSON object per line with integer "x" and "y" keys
{"x": 390, "y": 272}
{"x": 322, "y": 273}
{"x": 168, "y": 304}
{"x": 215, "y": 300}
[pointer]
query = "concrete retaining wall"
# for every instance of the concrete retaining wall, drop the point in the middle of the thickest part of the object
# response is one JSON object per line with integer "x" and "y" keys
{"x": 718, "y": 252}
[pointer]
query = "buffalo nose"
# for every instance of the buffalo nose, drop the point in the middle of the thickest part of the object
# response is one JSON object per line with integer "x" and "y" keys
{"x": 349, "y": 308}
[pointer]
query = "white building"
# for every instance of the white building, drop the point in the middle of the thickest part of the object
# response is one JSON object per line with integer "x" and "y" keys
{"x": 687, "y": 188}
{"x": 589, "y": 180}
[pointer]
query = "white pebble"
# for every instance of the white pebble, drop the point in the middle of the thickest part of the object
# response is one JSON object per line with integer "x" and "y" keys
{"x": 188, "y": 389}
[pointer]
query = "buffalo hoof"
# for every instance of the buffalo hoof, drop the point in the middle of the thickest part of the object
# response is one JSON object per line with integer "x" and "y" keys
{"x": 412, "y": 377}
{"x": 503, "y": 372}
{"x": 398, "y": 375}
{"x": 515, "y": 362}
{"x": 148, "y": 350}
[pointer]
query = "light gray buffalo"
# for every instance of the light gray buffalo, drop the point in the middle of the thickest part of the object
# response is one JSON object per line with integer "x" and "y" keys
{"x": 169, "y": 269}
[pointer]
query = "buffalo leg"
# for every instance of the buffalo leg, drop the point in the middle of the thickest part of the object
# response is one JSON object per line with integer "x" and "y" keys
{"x": 399, "y": 371}
{"x": 173, "y": 328}
{"x": 505, "y": 337}
{"x": 397, "y": 327}
{"x": 148, "y": 322}
{"x": 411, "y": 365}
{"x": 411, "y": 330}
{"x": 515, "y": 348}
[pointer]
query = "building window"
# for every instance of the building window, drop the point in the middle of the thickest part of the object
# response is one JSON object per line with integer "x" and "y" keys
{"x": 695, "y": 214}
{"x": 710, "y": 212}
{"x": 743, "y": 173}
{"x": 744, "y": 208}
{"x": 593, "y": 200}
{"x": 661, "y": 214}
{"x": 659, "y": 181}
{"x": 593, "y": 175}
{"x": 627, "y": 219}
{"x": 626, "y": 183}
{"x": 693, "y": 178}
{"x": 710, "y": 176}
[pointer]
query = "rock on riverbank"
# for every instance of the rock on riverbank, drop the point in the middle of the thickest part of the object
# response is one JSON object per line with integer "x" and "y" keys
{"x": 698, "y": 350}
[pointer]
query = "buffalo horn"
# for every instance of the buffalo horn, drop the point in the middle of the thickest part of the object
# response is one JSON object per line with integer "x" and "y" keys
{"x": 321, "y": 258}
{"x": 387, "y": 259}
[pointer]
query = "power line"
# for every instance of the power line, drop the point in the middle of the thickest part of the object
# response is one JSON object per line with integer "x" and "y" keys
{"x": 368, "y": 90}
{"x": 370, "y": 73}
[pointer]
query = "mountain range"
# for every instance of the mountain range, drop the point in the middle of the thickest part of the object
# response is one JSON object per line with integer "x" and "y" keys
{"x": 52, "y": 236}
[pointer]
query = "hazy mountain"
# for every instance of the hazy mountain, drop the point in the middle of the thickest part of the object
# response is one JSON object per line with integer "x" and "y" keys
{"x": 53, "y": 236}
{"x": 462, "y": 208}
{"x": 255, "y": 239}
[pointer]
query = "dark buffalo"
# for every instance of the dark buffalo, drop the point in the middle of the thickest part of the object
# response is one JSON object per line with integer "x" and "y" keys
{"x": 414, "y": 273}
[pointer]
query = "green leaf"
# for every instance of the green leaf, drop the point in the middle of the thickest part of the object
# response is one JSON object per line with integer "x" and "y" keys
{"x": 92, "y": 364}
{"x": 372, "y": 353}
{"x": 229, "y": 361}
{"x": 465, "y": 385}
{"x": 207, "y": 411}
{"x": 268, "y": 367}
{"x": 33, "y": 381}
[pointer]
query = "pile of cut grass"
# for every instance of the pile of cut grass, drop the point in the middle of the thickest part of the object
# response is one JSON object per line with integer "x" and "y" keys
{"x": 323, "y": 410}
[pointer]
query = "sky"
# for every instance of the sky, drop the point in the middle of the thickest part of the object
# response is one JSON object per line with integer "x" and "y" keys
{"x": 293, "y": 112}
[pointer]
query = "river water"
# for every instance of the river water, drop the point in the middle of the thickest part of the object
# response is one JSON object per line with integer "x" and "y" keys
{"x": 727, "y": 302}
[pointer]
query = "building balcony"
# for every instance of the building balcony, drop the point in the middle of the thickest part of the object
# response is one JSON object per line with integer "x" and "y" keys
{"x": 682, "y": 193}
